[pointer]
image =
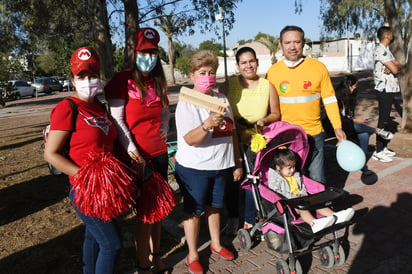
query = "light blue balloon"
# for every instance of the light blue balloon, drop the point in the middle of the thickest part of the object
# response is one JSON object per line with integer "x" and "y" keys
{"x": 350, "y": 156}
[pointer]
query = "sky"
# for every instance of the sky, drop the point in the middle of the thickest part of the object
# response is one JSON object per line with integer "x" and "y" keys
{"x": 266, "y": 16}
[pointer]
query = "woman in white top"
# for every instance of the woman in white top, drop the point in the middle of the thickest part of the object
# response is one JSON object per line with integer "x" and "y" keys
{"x": 205, "y": 159}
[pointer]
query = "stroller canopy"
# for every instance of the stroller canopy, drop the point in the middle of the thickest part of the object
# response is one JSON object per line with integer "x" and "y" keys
{"x": 281, "y": 134}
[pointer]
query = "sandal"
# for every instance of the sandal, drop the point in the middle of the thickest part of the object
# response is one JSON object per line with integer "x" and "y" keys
{"x": 166, "y": 270}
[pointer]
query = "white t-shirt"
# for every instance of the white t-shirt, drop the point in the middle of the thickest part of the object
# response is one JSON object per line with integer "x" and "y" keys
{"x": 384, "y": 81}
{"x": 214, "y": 153}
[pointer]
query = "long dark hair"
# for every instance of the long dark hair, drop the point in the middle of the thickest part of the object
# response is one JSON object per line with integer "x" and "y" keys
{"x": 347, "y": 99}
{"x": 158, "y": 77}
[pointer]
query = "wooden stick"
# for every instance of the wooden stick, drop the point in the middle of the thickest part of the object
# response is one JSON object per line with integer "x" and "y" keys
{"x": 202, "y": 100}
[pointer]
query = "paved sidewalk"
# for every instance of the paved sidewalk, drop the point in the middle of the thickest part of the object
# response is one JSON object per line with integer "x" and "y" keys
{"x": 379, "y": 239}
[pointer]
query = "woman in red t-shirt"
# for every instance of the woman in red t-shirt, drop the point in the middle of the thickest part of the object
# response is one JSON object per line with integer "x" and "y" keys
{"x": 138, "y": 103}
{"x": 96, "y": 177}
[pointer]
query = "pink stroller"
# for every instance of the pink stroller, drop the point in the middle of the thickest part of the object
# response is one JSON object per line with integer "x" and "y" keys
{"x": 283, "y": 231}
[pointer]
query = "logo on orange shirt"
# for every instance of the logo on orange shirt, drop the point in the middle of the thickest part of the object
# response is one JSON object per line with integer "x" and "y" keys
{"x": 284, "y": 86}
{"x": 307, "y": 84}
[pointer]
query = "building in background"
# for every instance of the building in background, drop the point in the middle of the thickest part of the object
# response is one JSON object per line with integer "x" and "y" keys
{"x": 346, "y": 55}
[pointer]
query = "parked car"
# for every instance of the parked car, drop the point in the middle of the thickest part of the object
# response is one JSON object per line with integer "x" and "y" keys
{"x": 68, "y": 85}
{"x": 47, "y": 85}
{"x": 22, "y": 89}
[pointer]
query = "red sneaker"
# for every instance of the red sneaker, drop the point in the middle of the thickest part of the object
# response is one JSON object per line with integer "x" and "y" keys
{"x": 194, "y": 267}
{"x": 224, "y": 253}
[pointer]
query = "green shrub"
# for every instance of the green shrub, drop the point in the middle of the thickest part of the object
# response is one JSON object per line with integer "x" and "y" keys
{"x": 182, "y": 64}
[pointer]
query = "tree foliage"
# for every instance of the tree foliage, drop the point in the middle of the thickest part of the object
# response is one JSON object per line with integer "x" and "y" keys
{"x": 10, "y": 67}
{"x": 172, "y": 25}
{"x": 35, "y": 28}
{"x": 269, "y": 41}
{"x": 243, "y": 41}
{"x": 348, "y": 16}
{"x": 200, "y": 13}
{"x": 210, "y": 45}
{"x": 182, "y": 64}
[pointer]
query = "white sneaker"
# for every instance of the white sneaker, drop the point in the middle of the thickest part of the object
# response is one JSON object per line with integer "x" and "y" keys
{"x": 389, "y": 152}
{"x": 387, "y": 135}
{"x": 322, "y": 223}
{"x": 344, "y": 215}
{"x": 381, "y": 156}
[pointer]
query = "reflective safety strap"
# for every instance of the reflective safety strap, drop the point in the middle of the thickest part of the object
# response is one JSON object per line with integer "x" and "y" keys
{"x": 329, "y": 100}
{"x": 299, "y": 99}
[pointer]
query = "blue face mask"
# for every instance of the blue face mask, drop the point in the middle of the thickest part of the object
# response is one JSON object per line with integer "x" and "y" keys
{"x": 146, "y": 62}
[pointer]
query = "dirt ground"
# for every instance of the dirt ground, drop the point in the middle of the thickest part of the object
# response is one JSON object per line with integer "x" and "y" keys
{"x": 40, "y": 232}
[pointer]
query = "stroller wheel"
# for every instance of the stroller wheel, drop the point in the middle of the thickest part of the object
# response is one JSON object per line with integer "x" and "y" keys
{"x": 298, "y": 267}
{"x": 244, "y": 238}
{"x": 326, "y": 256}
{"x": 341, "y": 258}
{"x": 282, "y": 267}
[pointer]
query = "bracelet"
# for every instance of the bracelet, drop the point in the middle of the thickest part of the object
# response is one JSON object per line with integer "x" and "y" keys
{"x": 206, "y": 129}
{"x": 137, "y": 158}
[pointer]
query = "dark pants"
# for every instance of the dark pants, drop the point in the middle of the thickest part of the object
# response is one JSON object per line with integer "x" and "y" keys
{"x": 160, "y": 164}
{"x": 239, "y": 198}
{"x": 314, "y": 167}
{"x": 236, "y": 195}
{"x": 385, "y": 101}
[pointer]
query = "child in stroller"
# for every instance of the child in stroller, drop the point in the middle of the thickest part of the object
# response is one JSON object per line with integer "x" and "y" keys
{"x": 286, "y": 181}
{"x": 277, "y": 220}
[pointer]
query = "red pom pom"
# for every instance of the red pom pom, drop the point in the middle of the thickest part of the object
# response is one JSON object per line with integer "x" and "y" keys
{"x": 103, "y": 186}
{"x": 157, "y": 199}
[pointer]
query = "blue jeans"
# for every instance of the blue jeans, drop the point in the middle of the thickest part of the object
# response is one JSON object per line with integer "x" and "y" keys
{"x": 250, "y": 208}
{"x": 202, "y": 187}
{"x": 102, "y": 243}
{"x": 363, "y": 132}
{"x": 315, "y": 163}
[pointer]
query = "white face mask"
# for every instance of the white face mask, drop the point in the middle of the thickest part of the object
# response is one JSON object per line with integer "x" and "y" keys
{"x": 88, "y": 88}
{"x": 292, "y": 64}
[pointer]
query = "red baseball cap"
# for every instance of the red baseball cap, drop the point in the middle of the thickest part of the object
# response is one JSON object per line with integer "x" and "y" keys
{"x": 85, "y": 58}
{"x": 146, "y": 38}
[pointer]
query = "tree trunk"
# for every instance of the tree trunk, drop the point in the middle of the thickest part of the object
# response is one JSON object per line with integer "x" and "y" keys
{"x": 398, "y": 49}
{"x": 407, "y": 94}
{"x": 101, "y": 35}
{"x": 131, "y": 12}
{"x": 171, "y": 54}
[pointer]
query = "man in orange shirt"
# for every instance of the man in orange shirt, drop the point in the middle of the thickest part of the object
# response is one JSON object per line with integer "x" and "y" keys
{"x": 301, "y": 82}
